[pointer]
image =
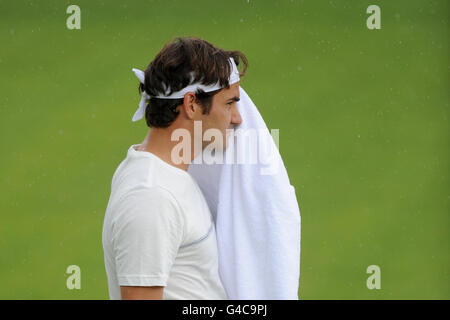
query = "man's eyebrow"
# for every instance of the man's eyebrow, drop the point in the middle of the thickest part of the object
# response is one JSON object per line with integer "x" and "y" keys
{"x": 234, "y": 99}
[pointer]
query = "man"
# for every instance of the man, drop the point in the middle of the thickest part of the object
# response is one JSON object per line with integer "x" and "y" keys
{"x": 159, "y": 238}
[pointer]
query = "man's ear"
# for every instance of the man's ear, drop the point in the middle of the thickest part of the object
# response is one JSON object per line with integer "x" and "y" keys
{"x": 189, "y": 105}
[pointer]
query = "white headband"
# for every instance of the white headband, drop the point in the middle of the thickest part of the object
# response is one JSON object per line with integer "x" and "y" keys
{"x": 140, "y": 113}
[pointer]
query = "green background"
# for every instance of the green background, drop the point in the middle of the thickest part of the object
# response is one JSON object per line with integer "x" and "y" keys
{"x": 363, "y": 119}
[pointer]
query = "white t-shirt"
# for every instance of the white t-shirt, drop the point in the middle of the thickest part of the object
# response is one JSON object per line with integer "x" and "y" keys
{"x": 158, "y": 231}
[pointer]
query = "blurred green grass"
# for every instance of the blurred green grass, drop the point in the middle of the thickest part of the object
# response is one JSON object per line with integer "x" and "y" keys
{"x": 363, "y": 119}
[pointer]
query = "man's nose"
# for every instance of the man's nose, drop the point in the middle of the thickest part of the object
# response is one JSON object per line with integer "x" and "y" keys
{"x": 236, "y": 116}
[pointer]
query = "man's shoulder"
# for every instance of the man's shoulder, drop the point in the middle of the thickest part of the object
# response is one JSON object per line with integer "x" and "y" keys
{"x": 149, "y": 204}
{"x": 151, "y": 195}
{"x": 146, "y": 174}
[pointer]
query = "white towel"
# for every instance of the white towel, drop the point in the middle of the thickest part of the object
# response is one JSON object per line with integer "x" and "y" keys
{"x": 257, "y": 219}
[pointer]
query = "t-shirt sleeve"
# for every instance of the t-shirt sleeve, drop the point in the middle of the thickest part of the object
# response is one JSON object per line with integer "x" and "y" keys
{"x": 147, "y": 235}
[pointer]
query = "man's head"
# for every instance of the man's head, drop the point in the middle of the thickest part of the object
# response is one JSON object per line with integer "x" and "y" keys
{"x": 172, "y": 67}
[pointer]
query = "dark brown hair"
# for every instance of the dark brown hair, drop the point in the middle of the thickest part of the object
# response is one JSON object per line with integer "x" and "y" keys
{"x": 172, "y": 66}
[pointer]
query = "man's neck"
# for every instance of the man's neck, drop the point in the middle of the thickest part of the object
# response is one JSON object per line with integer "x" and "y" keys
{"x": 158, "y": 142}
